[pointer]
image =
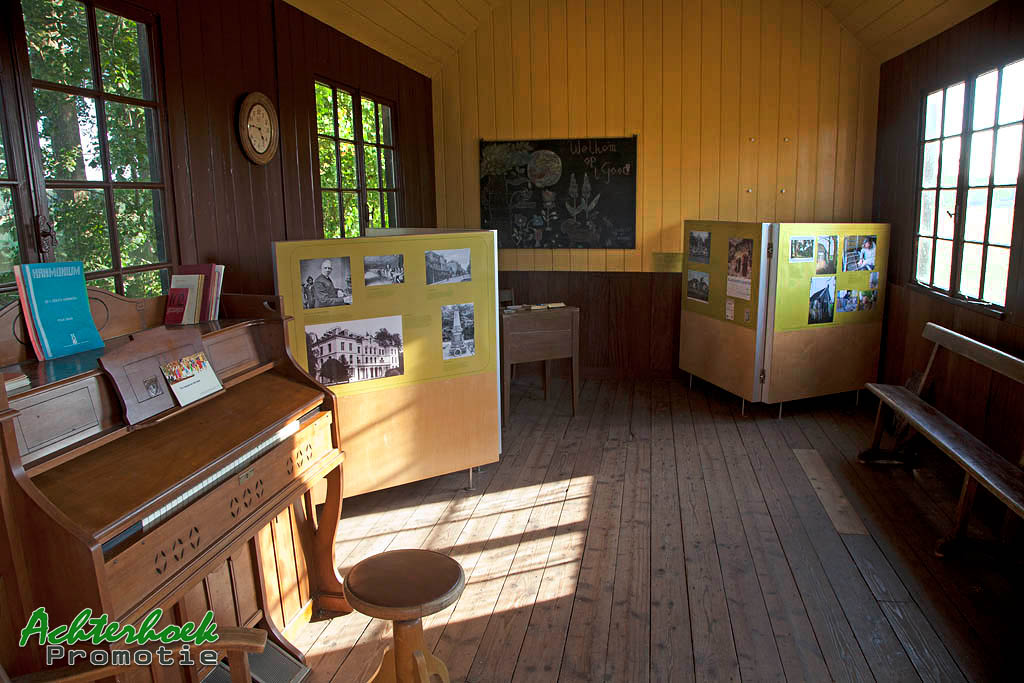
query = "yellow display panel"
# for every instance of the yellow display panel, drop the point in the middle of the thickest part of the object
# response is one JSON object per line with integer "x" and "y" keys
{"x": 738, "y": 306}
{"x": 418, "y": 304}
{"x": 800, "y": 276}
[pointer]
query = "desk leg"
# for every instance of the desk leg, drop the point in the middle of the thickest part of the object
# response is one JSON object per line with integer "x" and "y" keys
{"x": 575, "y": 380}
{"x": 547, "y": 377}
{"x": 506, "y": 379}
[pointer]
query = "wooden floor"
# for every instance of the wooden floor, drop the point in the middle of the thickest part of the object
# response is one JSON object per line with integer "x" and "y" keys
{"x": 660, "y": 535}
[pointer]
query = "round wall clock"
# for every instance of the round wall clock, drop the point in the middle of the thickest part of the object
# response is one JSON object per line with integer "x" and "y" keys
{"x": 258, "y": 128}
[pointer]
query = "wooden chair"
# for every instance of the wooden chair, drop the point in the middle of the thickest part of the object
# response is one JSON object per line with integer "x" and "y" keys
{"x": 981, "y": 464}
{"x": 404, "y": 586}
{"x": 237, "y": 642}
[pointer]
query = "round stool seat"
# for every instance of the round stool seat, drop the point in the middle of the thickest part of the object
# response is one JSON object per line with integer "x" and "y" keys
{"x": 404, "y": 584}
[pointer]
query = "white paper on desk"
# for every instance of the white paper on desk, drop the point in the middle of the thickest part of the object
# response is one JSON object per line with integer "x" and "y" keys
{"x": 191, "y": 378}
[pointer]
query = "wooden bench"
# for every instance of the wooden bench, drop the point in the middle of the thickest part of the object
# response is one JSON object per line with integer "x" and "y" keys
{"x": 981, "y": 464}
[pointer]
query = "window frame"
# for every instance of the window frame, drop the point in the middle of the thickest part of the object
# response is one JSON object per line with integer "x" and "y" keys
{"x": 362, "y": 191}
{"x": 1014, "y": 290}
{"x": 160, "y": 140}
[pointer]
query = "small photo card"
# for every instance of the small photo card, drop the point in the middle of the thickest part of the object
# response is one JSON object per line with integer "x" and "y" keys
{"x": 191, "y": 378}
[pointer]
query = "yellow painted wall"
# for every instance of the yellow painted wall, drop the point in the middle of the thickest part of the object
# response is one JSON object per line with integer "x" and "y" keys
{"x": 750, "y": 110}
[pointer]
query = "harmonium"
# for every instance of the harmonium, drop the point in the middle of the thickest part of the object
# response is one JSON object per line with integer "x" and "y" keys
{"x": 228, "y": 505}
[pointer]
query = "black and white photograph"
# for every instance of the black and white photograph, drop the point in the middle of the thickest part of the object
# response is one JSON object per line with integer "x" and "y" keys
{"x": 355, "y": 350}
{"x": 859, "y": 252}
{"x": 741, "y": 266}
{"x": 383, "y": 270}
{"x": 326, "y": 282}
{"x": 445, "y": 266}
{"x": 847, "y": 301}
{"x": 801, "y": 249}
{"x": 700, "y": 246}
{"x": 458, "y": 338}
{"x": 874, "y": 280}
{"x": 698, "y": 285}
{"x": 825, "y": 255}
{"x": 822, "y": 303}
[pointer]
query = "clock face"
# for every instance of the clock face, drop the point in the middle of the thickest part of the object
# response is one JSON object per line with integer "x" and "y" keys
{"x": 259, "y": 128}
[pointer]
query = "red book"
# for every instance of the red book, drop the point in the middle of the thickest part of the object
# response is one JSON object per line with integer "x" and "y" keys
{"x": 177, "y": 300}
{"x": 26, "y": 315}
{"x": 208, "y": 271}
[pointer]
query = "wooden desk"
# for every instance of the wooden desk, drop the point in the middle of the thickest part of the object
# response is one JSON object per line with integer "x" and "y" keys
{"x": 542, "y": 335}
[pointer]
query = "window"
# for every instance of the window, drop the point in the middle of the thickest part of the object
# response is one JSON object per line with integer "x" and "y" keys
{"x": 10, "y": 251}
{"x": 358, "y": 157}
{"x": 98, "y": 139}
{"x": 969, "y": 185}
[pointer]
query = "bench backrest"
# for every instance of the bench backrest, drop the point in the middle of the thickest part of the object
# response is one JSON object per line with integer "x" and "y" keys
{"x": 991, "y": 358}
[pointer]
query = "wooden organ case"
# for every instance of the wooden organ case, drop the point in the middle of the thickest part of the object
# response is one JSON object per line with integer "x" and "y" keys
{"x": 209, "y": 506}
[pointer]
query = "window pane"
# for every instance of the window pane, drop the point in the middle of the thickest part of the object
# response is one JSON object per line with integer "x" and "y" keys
{"x": 985, "y": 100}
{"x": 369, "y": 120}
{"x": 387, "y": 137}
{"x": 328, "y": 164}
{"x": 930, "y": 175}
{"x": 970, "y": 271}
{"x": 981, "y": 158}
{"x": 924, "y": 260}
{"x": 933, "y": 116}
{"x": 348, "y": 165}
{"x": 80, "y": 219}
{"x": 351, "y": 201}
{"x": 387, "y": 161}
{"x": 57, "y": 32}
{"x": 947, "y": 210}
{"x": 68, "y": 136}
{"x": 149, "y": 283}
{"x": 10, "y": 255}
{"x": 391, "y": 212}
{"x": 370, "y": 156}
{"x": 124, "y": 56}
{"x": 346, "y": 120}
{"x": 8, "y": 297}
{"x": 950, "y": 162}
{"x": 943, "y": 263}
{"x": 134, "y": 150}
{"x": 1007, "y": 155}
{"x": 927, "y": 225}
{"x": 332, "y": 221}
{"x": 106, "y": 283}
{"x": 140, "y": 226}
{"x": 374, "y": 218}
{"x": 997, "y": 267}
{"x": 324, "y": 109}
{"x": 977, "y": 210}
{"x": 953, "y": 121}
{"x": 1001, "y": 228}
{"x": 1011, "y": 93}
{"x": 3, "y": 143}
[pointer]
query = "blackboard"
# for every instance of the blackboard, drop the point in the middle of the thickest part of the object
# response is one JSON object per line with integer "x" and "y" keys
{"x": 559, "y": 194}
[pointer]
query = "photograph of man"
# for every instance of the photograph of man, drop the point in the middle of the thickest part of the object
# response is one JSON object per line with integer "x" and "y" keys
{"x": 326, "y": 282}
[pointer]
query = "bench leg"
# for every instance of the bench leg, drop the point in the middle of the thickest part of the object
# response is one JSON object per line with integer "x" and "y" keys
{"x": 963, "y": 512}
{"x": 874, "y": 454}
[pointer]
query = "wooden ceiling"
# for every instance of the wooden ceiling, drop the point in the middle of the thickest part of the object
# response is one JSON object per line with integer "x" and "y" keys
{"x": 891, "y": 27}
{"x": 423, "y": 34}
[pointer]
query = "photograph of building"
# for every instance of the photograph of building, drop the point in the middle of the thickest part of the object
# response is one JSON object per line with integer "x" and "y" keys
{"x": 446, "y": 266}
{"x": 698, "y": 285}
{"x": 355, "y": 350}
{"x": 801, "y": 249}
{"x": 458, "y": 335}
{"x": 383, "y": 270}
{"x": 700, "y": 246}
{"x": 326, "y": 282}
{"x": 822, "y": 305}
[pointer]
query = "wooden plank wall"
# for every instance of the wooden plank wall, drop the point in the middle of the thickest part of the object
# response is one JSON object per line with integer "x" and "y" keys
{"x": 228, "y": 209}
{"x": 745, "y": 110}
{"x": 984, "y": 403}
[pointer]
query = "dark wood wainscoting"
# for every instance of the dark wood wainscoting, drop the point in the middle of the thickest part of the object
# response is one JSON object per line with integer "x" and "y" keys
{"x": 629, "y": 322}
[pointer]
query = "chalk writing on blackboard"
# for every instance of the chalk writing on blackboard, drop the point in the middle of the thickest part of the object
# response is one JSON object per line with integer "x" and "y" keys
{"x": 560, "y": 194}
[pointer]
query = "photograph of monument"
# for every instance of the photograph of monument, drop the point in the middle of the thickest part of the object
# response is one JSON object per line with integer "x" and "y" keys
{"x": 457, "y": 331}
{"x": 445, "y": 266}
{"x": 326, "y": 282}
{"x": 700, "y": 246}
{"x": 383, "y": 270}
{"x": 355, "y": 350}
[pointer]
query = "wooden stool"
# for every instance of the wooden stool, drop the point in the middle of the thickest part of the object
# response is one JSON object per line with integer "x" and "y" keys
{"x": 404, "y": 586}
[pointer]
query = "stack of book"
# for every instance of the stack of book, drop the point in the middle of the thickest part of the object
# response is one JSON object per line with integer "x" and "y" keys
{"x": 194, "y": 296}
{"x": 55, "y": 308}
